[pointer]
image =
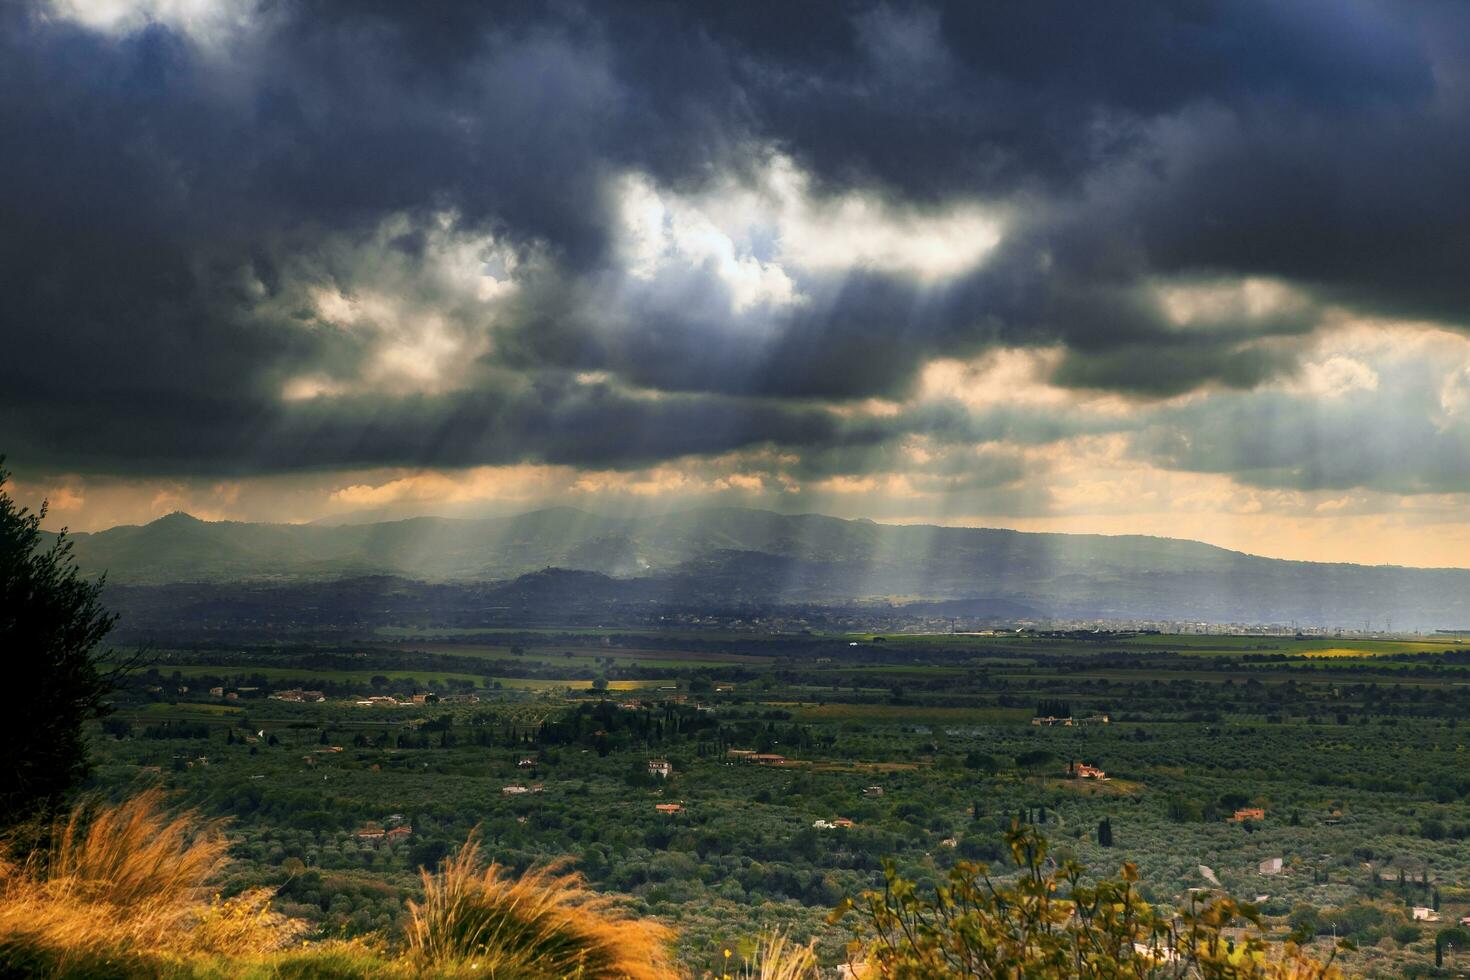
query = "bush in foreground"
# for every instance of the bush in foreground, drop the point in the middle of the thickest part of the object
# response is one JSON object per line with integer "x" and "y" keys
{"x": 1050, "y": 923}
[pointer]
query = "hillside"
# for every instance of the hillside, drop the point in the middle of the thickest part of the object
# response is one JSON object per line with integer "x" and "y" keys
{"x": 735, "y": 555}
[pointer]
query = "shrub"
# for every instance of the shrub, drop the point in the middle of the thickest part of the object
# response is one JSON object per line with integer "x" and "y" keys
{"x": 1050, "y": 924}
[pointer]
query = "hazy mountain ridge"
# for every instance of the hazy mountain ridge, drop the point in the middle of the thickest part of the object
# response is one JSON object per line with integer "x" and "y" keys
{"x": 764, "y": 557}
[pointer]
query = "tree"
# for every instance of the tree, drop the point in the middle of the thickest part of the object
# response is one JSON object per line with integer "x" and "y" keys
{"x": 51, "y": 625}
{"x": 1105, "y": 832}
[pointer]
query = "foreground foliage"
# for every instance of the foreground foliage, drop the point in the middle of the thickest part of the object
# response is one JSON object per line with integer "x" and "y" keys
{"x": 120, "y": 887}
{"x": 122, "y": 891}
{"x": 1048, "y": 922}
{"x": 545, "y": 923}
{"x": 51, "y": 623}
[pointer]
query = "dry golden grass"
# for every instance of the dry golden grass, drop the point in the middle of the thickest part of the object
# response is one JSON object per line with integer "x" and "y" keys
{"x": 779, "y": 958}
{"x": 135, "y": 853}
{"x": 545, "y": 923}
{"x": 124, "y": 884}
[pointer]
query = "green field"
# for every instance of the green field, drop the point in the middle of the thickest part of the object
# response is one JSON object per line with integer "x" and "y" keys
{"x": 1355, "y": 750}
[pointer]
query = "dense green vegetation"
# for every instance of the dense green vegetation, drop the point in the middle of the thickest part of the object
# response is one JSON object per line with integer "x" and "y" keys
{"x": 1357, "y": 762}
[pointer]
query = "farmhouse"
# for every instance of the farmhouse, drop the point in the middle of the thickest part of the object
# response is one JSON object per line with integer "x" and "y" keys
{"x": 1270, "y": 866}
{"x": 1422, "y": 914}
{"x": 1081, "y": 770}
{"x": 660, "y": 767}
{"x": 767, "y": 759}
{"x": 668, "y": 807}
{"x": 1248, "y": 813}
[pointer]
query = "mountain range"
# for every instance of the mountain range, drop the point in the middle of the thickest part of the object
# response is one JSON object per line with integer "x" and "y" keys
{"x": 730, "y": 554}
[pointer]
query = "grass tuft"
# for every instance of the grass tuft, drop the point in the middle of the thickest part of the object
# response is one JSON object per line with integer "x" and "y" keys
{"x": 781, "y": 958}
{"x": 545, "y": 923}
{"x": 122, "y": 889}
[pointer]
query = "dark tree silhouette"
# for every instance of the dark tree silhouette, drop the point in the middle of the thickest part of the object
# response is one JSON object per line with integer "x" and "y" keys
{"x": 51, "y": 624}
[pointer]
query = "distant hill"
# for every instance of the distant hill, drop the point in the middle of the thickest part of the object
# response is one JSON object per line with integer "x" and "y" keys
{"x": 758, "y": 556}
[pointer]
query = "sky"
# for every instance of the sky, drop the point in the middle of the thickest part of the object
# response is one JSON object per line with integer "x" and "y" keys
{"x": 1192, "y": 269}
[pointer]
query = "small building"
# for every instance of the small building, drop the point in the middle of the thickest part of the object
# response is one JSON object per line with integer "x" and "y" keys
{"x": 668, "y": 807}
{"x": 821, "y": 824}
{"x": 768, "y": 759}
{"x": 526, "y": 762}
{"x": 1248, "y": 813}
{"x": 661, "y": 768}
{"x": 949, "y": 842}
{"x": 371, "y": 834}
{"x": 873, "y": 791}
{"x": 1270, "y": 866}
{"x": 843, "y": 823}
{"x": 397, "y": 834}
{"x": 514, "y": 790}
{"x": 1422, "y": 914}
{"x": 1081, "y": 770}
{"x": 218, "y": 692}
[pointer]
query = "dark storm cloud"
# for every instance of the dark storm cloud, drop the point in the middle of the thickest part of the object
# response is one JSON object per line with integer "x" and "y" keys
{"x": 163, "y": 200}
{"x": 549, "y": 421}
